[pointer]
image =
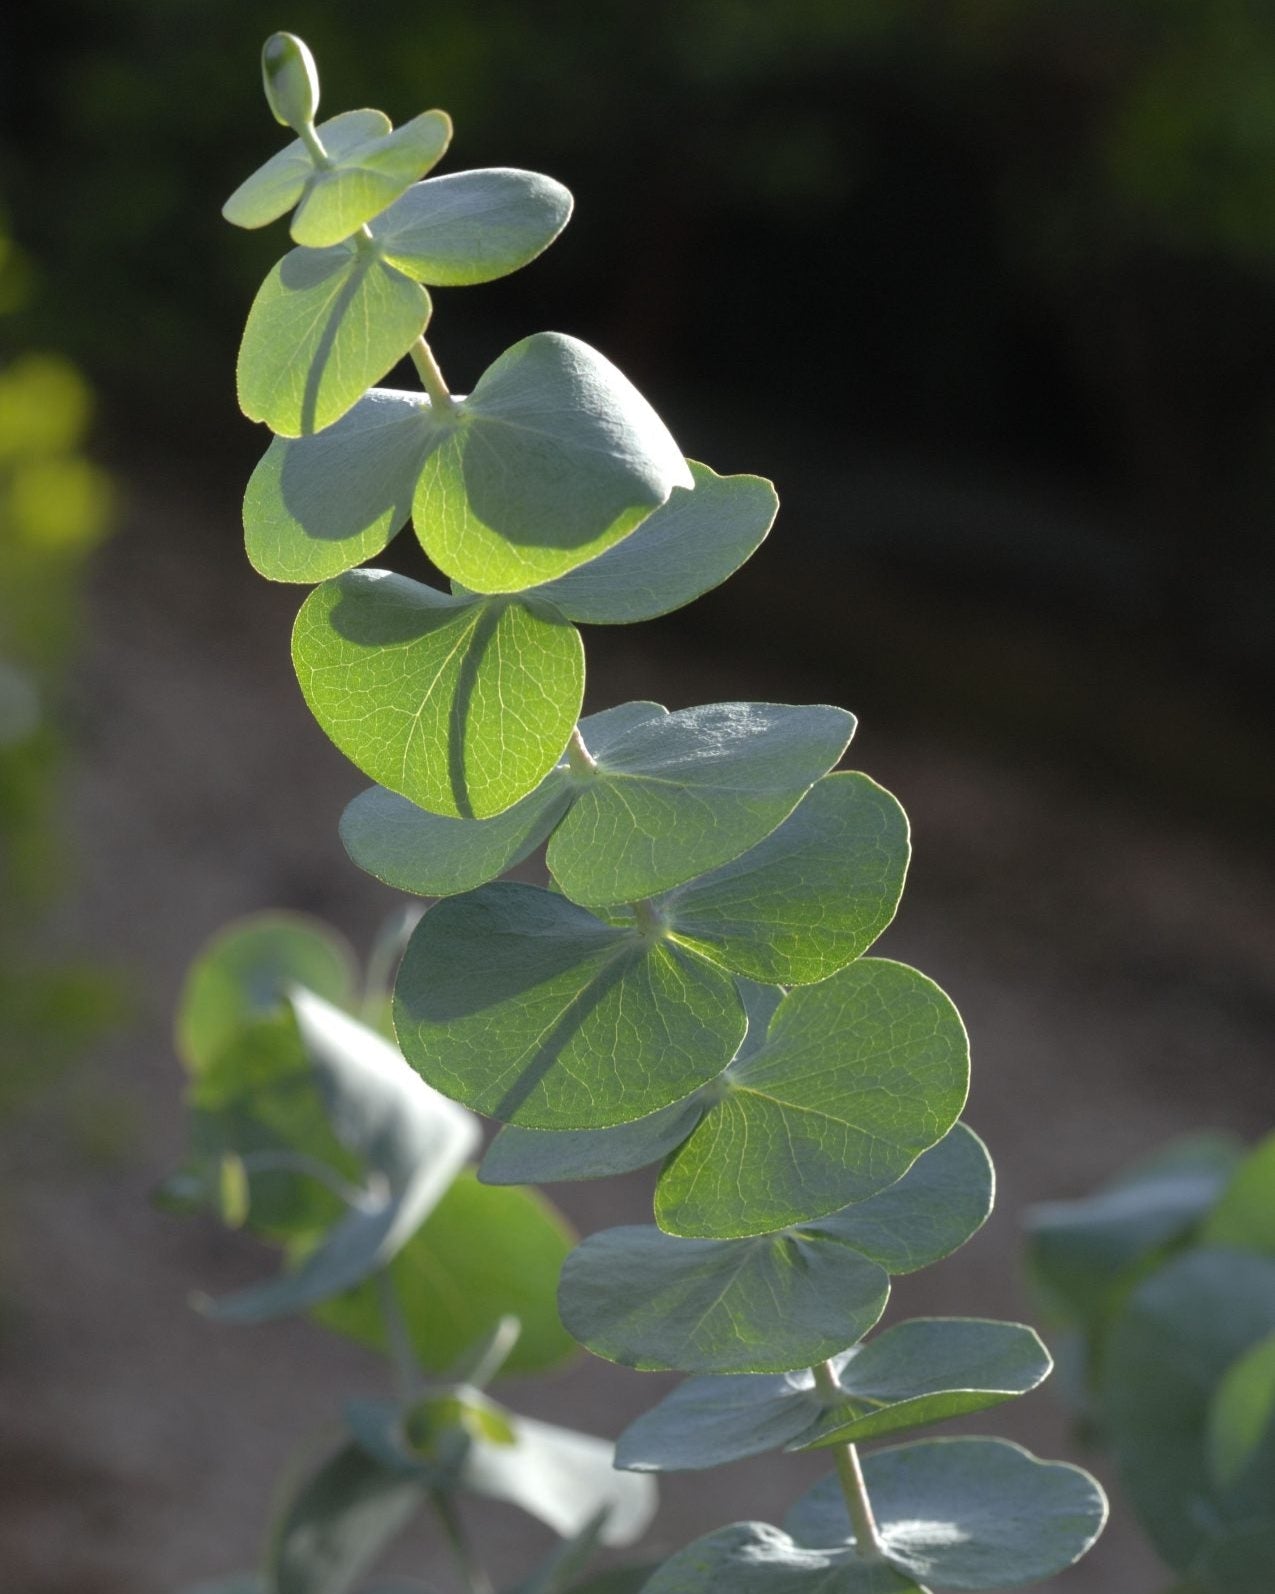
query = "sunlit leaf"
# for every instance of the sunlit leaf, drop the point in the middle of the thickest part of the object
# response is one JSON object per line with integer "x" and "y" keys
{"x": 472, "y": 226}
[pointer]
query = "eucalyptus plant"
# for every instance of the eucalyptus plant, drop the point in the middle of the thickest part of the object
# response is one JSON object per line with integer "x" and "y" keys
{"x": 692, "y": 987}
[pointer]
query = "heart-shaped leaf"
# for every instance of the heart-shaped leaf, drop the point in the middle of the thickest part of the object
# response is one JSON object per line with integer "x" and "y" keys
{"x": 472, "y": 227}
{"x": 462, "y": 705}
{"x": 366, "y": 179}
{"x": 529, "y": 1009}
{"x": 273, "y": 189}
{"x": 856, "y": 1078}
{"x": 815, "y": 894}
{"x": 963, "y": 1513}
{"x": 551, "y": 459}
{"x": 412, "y": 1141}
{"x": 538, "y": 1156}
{"x": 685, "y": 548}
{"x": 319, "y": 505}
{"x": 326, "y": 325}
{"x": 639, "y": 1297}
{"x": 679, "y": 794}
{"x": 917, "y": 1372}
{"x": 481, "y": 1255}
{"x": 755, "y": 1558}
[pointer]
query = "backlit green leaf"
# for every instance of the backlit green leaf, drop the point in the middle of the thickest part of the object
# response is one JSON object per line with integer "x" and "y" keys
{"x": 367, "y": 178}
{"x": 529, "y": 1009}
{"x": 273, "y": 189}
{"x": 1242, "y": 1413}
{"x": 473, "y": 226}
{"x": 812, "y": 896}
{"x": 316, "y": 506}
{"x": 682, "y": 550}
{"x": 1245, "y": 1215}
{"x": 964, "y": 1513}
{"x": 639, "y": 1297}
{"x": 552, "y": 458}
{"x": 326, "y": 325}
{"x": 461, "y": 705}
{"x": 856, "y": 1078}
{"x": 481, "y": 1255}
{"x": 679, "y": 794}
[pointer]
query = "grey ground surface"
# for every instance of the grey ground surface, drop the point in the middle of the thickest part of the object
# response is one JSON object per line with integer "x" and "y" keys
{"x": 1116, "y": 969}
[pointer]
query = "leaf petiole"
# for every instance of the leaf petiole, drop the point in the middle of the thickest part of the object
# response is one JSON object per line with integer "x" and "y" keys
{"x": 866, "y": 1538}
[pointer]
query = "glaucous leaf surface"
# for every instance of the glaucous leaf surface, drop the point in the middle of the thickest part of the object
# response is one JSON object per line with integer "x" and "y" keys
{"x": 531, "y": 1010}
{"x": 1080, "y": 1250}
{"x": 928, "y": 1370}
{"x": 246, "y": 972}
{"x": 326, "y": 325}
{"x": 811, "y": 897}
{"x": 319, "y": 505}
{"x": 480, "y": 1255}
{"x": 274, "y": 188}
{"x": 856, "y": 1078}
{"x": 1245, "y": 1214}
{"x": 676, "y": 795}
{"x": 412, "y": 1142}
{"x": 1241, "y": 1415}
{"x": 471, "y": 227}
{"x": 964, "y": 1513}
{"x": 463, "y": 705}
{"x": 1181, "y": 1329}
{"x": 755, "y": 1558}
{"x": 532, "y": 1156}
{"x": 921, "y": 1371}
{"x": 366, "y": 179}
{"x": 688, "y": 546}
{"x": 941, "y": 1202}
{"x": 766, "y": 1305}
{"x": 336, "y": 1526}
{"x": 563, "y": 1478}
{"x": 431, "y": 855}
{"x": 551, "y": 459}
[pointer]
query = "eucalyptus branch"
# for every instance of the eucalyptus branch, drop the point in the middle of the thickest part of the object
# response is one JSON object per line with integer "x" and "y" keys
{"x": 850, "y": 1473}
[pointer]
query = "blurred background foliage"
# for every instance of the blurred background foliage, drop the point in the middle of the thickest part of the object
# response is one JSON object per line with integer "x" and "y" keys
{"x": 989, "y": 281}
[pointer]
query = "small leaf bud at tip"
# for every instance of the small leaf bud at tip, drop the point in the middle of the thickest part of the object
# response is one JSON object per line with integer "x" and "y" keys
{"x": 290, "y": 79}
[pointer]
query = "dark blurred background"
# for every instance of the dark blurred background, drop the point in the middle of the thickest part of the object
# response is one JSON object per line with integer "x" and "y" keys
{"x": 988, "y": 288}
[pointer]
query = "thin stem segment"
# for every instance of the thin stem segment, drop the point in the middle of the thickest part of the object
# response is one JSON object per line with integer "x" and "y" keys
{"x": 866, "y": 1538}
{"x": 471, "y": 1569}
{"x": 398, "y": 1338}
{"x": 579, "y": 758}
{"x": 427, "y": 368}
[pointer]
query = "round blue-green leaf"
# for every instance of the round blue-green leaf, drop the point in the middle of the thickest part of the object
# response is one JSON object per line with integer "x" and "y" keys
{"x": 481, "y": 1255}
{"x": 964, "y": 1513}
{"x": 755, "y": 1558}
{"x": 538, "y": 1156}
{"x": 680, "y": 794}
{"x": 319, "y": 505}
{"x": 472, "y": 227}
{"x": 273, "y": 189}
{"x": 685, "y": 548}
{"x": 431, "y": 855}
{"x": 856, "y": 1078}
{"x": 1180, "y": 1331}
{"x": 326, "y": 325}
{"x": 529, "y": 1009}
{"x": 461, "y": 705}
{"x": 811, "y": 897}
{"x": 639, "y": 1297}
{"x": 551, "y": 459}
{"x": 918, "y": 1372}
{"x": 942, "y": 1201}
{"x": 245, "y": 973}
{"x": 367, "y": 178}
